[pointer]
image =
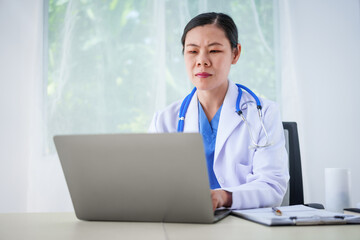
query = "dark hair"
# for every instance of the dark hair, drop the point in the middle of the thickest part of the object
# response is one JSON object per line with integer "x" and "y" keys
{"x": 221, "y": 20}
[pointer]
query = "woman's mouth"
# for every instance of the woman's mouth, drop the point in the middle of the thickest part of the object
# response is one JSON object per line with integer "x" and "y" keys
{"x": 203, "y": 75}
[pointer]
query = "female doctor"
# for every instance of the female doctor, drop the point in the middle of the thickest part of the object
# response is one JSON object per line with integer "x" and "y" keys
{"x": 246, "y": 161}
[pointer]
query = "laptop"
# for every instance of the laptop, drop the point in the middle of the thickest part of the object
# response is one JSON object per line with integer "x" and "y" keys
{"x": 138, "y": 177}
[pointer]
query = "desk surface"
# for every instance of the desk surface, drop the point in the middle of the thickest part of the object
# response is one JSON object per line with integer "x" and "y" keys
{"x": 66, "y": 226}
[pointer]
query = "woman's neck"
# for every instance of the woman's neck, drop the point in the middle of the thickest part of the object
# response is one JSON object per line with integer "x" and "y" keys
{"x": 211, "y": 100}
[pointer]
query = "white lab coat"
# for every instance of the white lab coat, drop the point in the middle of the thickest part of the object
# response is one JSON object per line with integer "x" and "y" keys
{"x": 256, "y": 178}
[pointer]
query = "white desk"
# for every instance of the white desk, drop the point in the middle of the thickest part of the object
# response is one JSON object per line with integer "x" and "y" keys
{"x": 65, "y": 226}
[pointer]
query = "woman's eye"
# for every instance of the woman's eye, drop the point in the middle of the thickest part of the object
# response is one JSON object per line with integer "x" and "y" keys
{"x": 193, "y": 51}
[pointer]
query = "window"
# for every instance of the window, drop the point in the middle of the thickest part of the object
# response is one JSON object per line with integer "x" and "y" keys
{"x": 111, "y": 64}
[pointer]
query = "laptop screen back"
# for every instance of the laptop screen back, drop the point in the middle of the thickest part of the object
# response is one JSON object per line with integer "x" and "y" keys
{"x": 137, "y": 177}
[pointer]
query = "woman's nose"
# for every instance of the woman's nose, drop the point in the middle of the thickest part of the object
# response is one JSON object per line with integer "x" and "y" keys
{"x": 202, "y": 60}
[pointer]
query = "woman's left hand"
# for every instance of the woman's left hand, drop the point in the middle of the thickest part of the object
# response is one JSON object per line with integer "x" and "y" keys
{"x": 221, "y": 198}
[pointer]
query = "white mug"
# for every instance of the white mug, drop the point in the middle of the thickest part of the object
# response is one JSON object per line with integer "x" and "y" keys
{"x": 337, "y": 189}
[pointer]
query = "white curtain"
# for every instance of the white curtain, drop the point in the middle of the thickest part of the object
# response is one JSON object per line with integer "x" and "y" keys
{"x": 108, "y": 65}
{"x": 112, "y": 64}
{"x": 21, "y": 104}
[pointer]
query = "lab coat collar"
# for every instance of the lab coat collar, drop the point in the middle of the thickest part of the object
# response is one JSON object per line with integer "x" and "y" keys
{"x": 229, "y": 119}
{"x": 192, "y": 116}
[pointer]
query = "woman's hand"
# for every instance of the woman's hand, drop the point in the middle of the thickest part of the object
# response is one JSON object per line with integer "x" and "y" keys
{"x": 221, "y": 198}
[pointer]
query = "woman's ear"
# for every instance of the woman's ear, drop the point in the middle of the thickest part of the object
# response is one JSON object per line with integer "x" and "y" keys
{"x": 236, "y": 52}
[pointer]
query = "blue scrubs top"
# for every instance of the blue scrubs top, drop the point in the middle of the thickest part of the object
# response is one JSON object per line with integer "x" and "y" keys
{"x": 208, "y": 131}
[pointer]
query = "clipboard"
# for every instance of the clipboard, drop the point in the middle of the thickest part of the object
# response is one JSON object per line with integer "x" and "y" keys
{"x": 296, "y": 215}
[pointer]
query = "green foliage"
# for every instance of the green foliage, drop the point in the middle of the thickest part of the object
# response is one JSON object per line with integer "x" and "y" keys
{"x": 107, "y": 57}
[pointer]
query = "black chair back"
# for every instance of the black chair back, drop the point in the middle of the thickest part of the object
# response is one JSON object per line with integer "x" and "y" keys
{"x": 295, "y": 192}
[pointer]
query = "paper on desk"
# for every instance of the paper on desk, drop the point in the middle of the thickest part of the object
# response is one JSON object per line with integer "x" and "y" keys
{"x": 303, "y": 216}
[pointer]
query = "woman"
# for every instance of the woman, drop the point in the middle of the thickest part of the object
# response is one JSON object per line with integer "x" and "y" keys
{"x": 240, "y": 177}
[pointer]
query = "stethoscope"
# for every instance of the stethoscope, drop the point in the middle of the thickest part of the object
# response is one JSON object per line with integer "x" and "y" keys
{"x": 185, "y": 105}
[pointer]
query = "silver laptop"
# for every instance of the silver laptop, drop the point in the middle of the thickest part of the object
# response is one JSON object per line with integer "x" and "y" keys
{"x": 138, "y": 177}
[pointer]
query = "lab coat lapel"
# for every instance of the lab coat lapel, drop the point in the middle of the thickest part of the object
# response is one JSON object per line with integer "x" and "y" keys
{"x": 229, "y": 119}
{"x": 192, "y": 116}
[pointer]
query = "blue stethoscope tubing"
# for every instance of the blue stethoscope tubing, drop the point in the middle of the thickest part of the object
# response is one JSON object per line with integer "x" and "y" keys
{"x": 185, "y": 105}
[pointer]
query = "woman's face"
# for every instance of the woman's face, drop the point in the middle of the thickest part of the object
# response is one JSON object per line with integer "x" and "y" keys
{"x": 208, "y": 57}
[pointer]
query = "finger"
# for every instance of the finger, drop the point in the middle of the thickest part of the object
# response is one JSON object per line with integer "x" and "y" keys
{"x": 214, "y": 200}
{"x": 214, "y": 205}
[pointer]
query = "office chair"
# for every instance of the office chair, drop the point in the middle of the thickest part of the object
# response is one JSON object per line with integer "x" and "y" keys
{"x": 295, "y": 192}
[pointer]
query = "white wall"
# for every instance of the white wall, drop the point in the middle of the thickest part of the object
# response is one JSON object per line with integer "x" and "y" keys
{"x": 325, "y": 36}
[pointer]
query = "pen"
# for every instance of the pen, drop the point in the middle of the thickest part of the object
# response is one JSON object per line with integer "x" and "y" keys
{"x": 276, "y": 211}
